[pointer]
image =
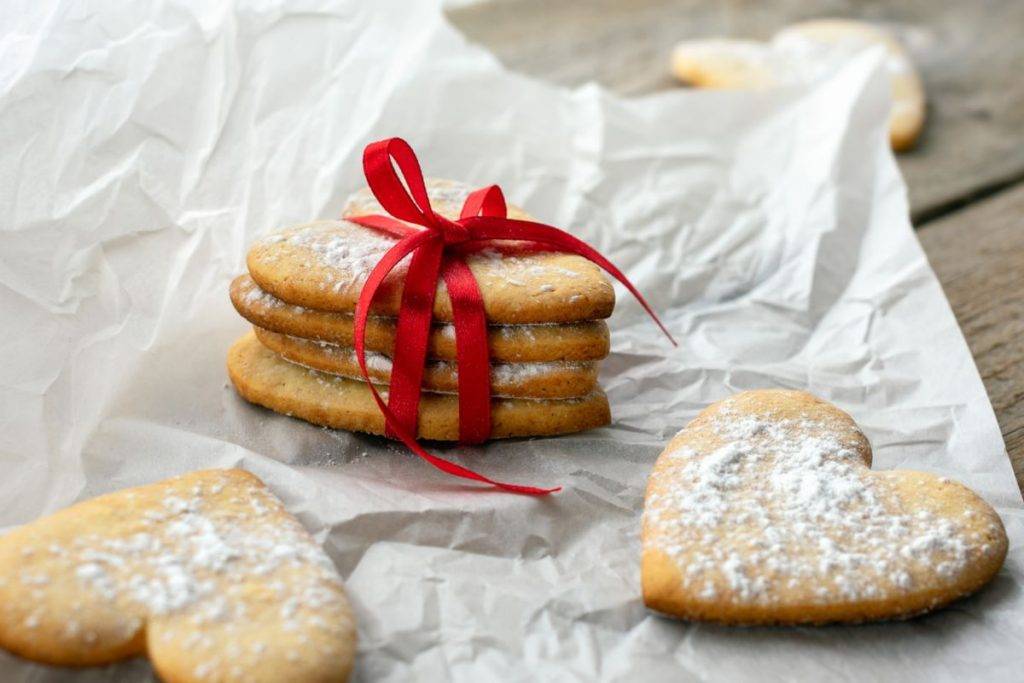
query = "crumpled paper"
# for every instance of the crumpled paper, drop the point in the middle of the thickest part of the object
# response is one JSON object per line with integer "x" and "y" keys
{"x": 145, "y": 148}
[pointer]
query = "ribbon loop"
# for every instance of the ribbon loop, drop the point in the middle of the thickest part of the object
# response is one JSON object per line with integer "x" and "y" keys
{"x": 412, "y": 205}
{"x": 487, "y": 201}
{"x": 438, "y": 252}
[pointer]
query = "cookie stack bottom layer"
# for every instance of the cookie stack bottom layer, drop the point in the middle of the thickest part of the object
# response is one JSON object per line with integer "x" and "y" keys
{"x": 265, "y": 378}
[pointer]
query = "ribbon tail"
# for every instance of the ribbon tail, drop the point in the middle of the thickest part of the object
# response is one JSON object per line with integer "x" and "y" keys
{"x": 412, "y": 333}
{"x": 379, "y": 159}
{"x": 485, "y": 227}
{"x": 471, "y": 352}
{"x": 392, "y": 257}
{"x": 387, "y": 263}
{"x": 459, "y": 470}
{"x": 384, "y": 224}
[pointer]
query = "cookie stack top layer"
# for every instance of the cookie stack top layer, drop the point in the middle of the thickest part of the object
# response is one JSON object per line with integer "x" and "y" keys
{"x": 323, "y": 266}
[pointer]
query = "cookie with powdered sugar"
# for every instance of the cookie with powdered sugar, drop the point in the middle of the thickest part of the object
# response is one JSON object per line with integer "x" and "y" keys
{"x": 764, "y": 510}
{"x": 581, "y": 341}
{"x": 798, "y": 53}
{"x": 207, "y": 574}
{"x": 323, "y": 266}
{"x": 553, "y": 380}
{"x": 265, "y": 378}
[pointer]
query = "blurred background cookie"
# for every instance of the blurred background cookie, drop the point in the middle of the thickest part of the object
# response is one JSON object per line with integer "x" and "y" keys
{"x": 800, "y": 53}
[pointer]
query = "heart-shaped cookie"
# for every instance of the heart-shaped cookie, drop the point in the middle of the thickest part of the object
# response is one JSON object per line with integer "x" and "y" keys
{"x": 763, "y": 510}
{"x": 206, "y": 573}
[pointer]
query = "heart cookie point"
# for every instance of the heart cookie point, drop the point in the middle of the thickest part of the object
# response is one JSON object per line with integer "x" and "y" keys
{"x": 206, "y": 573}
{"x": 763, "y": 510}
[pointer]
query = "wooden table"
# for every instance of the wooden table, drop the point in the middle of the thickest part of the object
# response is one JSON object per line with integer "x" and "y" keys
{"x": 966, "y": 177}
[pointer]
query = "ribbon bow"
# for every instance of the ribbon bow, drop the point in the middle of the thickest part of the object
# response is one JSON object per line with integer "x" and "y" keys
{"x": 438, "y": 250}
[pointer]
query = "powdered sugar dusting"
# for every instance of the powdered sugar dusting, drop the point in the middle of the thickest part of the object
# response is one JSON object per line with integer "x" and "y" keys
{"x": 521, "y": 270}
{"x": 191, "y": 546}
{"x": 759, "y": 507}
{"x": 518, "y": 373}
{"x": 201, "y": 551}
{"x": 348, "y": 251}
{"x": 254, "y": 296}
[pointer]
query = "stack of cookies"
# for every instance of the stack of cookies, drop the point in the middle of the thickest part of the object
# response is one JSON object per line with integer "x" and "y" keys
{"x": 546, "y": 330}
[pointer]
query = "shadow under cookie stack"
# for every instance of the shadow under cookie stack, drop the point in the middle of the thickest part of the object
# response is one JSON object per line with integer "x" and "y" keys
{"x": 546, "y": 330}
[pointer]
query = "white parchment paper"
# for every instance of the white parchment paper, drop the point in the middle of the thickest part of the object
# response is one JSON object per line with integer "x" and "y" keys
{"x": 143, "y": 148}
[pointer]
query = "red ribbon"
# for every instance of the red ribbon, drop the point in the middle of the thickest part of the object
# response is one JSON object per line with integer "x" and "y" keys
{"x": 438, "y": 251}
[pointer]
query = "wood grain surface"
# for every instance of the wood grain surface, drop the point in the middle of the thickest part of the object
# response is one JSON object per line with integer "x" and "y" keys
{"x": 978, "y": 254}
{"x": 966, "y": 177}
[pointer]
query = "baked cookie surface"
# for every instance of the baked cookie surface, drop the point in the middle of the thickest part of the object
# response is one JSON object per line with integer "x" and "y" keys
{"x": 579, "y": 341}
{"x": 726, "y": 64}
{"x": 560, "y": 379}
{"x": 206, "y": 573}
{"x": 763, "y": 510}
{"x": 323, "y": 265}
{"x": 264, "y": 378}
